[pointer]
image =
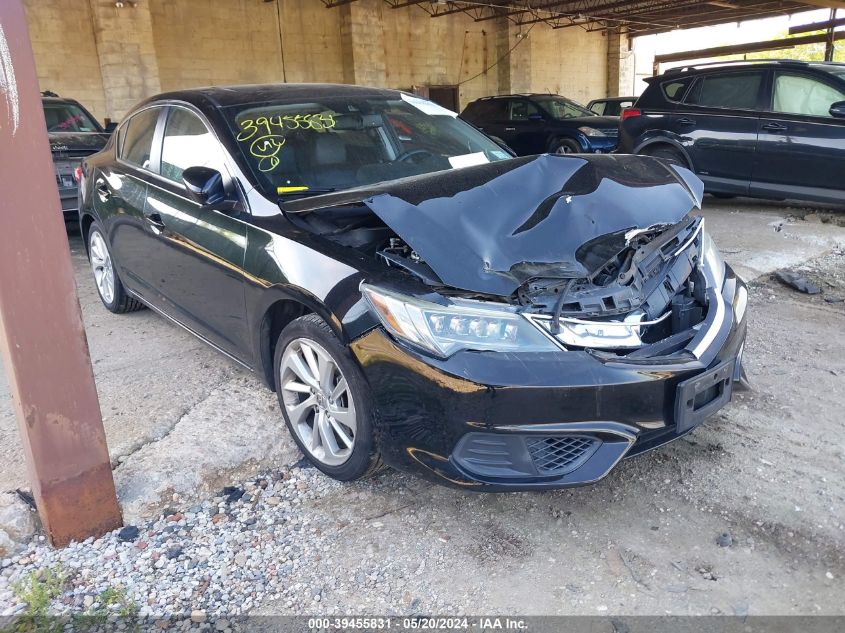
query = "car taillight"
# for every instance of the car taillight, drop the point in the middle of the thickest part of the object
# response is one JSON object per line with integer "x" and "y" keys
{"x": 77, "y": 174}
{"x": 629, "y": 113}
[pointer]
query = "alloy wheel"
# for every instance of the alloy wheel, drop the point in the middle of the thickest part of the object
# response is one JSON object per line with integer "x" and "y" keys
{"x": 102, "y": 266}
{"x": 563, "y": 148}
{"x": 318, "y": 401}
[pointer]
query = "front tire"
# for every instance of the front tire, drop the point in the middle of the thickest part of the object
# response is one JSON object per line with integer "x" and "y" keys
{"x": 111, "y": 290}
{"x": 565, "y": 146}
{"x": 325, "y": 400}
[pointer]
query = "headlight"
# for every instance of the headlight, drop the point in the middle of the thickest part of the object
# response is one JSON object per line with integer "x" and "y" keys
{"x": 586, "y": 130}
{"x": 714, "y": 265}
{"x": 446, "y": 329}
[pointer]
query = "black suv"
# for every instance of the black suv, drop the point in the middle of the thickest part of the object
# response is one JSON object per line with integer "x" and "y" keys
{"x": 74, "y": 134}
{"x": 768, "y": 129}
{"x": 539, "y": 123}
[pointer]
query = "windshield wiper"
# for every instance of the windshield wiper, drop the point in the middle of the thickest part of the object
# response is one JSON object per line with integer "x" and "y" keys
{"x": 302, "y": 193}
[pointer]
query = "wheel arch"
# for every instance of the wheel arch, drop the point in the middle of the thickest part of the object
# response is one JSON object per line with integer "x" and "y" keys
{"x": 671, "y": 143}
{"x": 281, "y": 307}
{"x": 564, "y": 135}
{"x": 86, "y": 219}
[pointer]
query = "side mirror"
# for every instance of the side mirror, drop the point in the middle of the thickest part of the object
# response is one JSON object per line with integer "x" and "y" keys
{"x": 838, "y": 110}
{"x": 111, "y": 126}
{"x": 205, "y": 185}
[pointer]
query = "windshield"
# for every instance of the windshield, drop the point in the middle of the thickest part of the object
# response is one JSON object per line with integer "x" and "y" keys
{"x": 333, "y": 144}
{"x": 560, "y": 108}
{"x": 68, "y": 117}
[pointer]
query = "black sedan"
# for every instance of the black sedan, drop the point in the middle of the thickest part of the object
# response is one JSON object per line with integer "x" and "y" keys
{"x": 415, "y": 296}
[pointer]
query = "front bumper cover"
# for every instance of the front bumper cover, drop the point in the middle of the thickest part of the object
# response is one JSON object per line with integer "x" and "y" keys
{"x": 497, "y": 422}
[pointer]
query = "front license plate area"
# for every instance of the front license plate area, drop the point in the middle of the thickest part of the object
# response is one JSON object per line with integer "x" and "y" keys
{"x": 703, "y": 395}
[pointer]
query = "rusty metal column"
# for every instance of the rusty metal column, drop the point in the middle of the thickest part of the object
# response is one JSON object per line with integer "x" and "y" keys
{"x": 42, "y": 339}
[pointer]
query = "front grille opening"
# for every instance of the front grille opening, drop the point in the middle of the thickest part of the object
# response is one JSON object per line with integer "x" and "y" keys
{"x": 562, "y": 454}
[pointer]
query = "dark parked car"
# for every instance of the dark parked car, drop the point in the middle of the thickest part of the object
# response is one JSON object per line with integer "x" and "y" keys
{"x": 535, "y": 124}
{"x": 415, "y": 296}
{"x": 772, "y": 129}
{"x": 74, "y": 134}
{"x": 612, "y": 106}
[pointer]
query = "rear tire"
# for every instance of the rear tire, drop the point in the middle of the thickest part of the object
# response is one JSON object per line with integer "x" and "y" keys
{"x": 325, "y": 400}
{"x": 111, "y": 290}
{"x": 668, "y": 154}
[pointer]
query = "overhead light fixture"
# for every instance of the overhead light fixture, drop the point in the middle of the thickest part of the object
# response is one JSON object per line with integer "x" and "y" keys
{"x": 724, "y": 4}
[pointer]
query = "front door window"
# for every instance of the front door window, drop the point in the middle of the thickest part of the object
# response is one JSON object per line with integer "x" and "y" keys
{"x": 797, "y": 94}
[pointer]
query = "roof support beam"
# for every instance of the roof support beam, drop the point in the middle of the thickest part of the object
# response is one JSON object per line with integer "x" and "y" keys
{"x": 827, "y": 4}
{"x": 816, "y": 26}
{"x": 738, "y": 49}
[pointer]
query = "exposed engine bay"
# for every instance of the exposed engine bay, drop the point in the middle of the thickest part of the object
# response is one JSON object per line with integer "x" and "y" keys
{"x": 649, "y": 291}
{"x": 599, "y": 253}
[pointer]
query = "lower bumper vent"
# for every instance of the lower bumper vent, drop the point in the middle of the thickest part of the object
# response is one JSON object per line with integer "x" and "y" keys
{"x": 560, "y": 455}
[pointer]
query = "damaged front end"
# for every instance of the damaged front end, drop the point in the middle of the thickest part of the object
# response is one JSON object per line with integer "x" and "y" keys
{"x": 650, "y": 299}
{"x": 598, "y": 253}
{"x": 541, "y": 318}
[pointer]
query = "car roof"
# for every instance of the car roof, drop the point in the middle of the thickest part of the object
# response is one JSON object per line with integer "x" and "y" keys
{"x": 58, "y": 100}
{"x": 750, "y": 63}
{"x": 522, "y": 94}
{"x": 223, "y": 96}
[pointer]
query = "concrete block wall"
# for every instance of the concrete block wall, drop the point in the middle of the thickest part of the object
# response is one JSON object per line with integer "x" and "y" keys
{"x": 620, "y": 64}
{"x": 425, "y": 51}
{"x": 62, "y": 33}
{"x": 312, "y": 44}
{"x": 568, "y": 61}
{"x": 110, "y": 58}
{"x": 207, "y": 42}
{"x": 126, "y": 49}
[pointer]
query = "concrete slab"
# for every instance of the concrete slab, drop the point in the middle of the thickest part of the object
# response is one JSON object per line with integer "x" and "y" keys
{"x": 757, "y": 238}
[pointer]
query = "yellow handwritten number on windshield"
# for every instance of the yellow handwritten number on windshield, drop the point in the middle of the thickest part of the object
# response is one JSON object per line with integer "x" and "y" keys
{"x": 266, "y": 149}
{"x": 266, "y": 140}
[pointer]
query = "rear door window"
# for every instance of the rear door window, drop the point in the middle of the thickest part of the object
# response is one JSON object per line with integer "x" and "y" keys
{"x": 137, "y": 139}
{"x": 488, "y": 111}
{"x": 738, "y": 91}
{"x": 599, "y": 107}
{"x": 800, "y": 94}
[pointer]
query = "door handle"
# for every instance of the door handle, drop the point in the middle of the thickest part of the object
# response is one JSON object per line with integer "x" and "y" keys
{"x": 510, "y": 129}
{"x": 155, "y": 222}
{"x": 686, "y": 121}
{"x": 103, "y": 190}
{"x": 775, "y": 127}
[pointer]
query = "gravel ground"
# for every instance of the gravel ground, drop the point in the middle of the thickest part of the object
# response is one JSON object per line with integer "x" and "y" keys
{"x": 746, "y": 515}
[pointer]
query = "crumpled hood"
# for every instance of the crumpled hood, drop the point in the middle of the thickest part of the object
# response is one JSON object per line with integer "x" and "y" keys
{"x": 489, "y": 228}
{"x": 77, "y": 141}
